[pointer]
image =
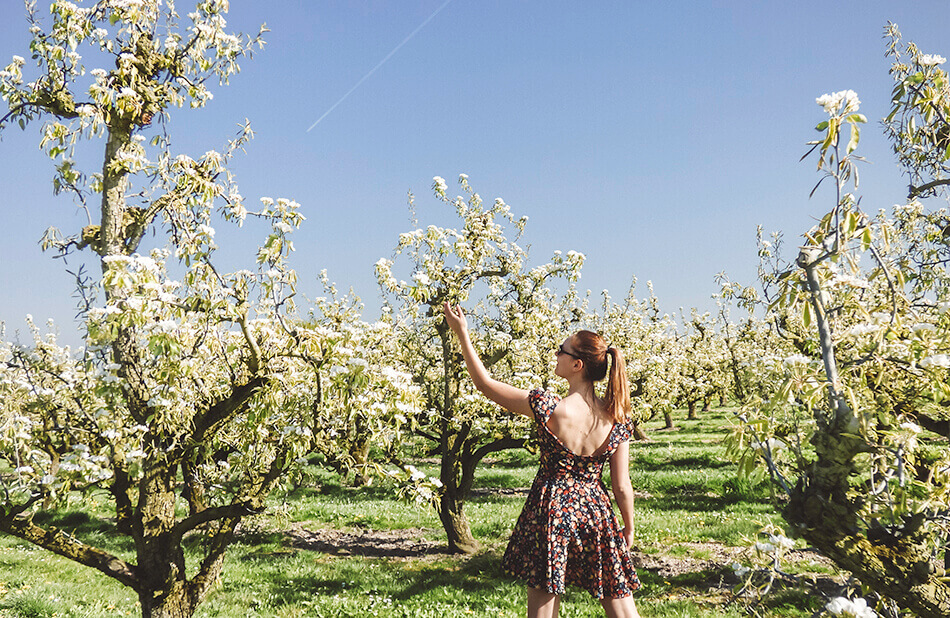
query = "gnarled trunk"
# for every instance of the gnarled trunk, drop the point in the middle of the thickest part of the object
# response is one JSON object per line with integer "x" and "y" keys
{"x": 457, "y": 529}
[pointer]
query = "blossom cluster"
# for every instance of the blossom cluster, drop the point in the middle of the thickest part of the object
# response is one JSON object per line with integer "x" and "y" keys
{"x": 839, "y": 103}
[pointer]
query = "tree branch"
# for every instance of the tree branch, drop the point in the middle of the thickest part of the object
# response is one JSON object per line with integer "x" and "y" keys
{"x": 918, "y": 191}
{"x": 237, "y": 510}
{"x": 224, "y": 408}
{"x": 59, "y": 542}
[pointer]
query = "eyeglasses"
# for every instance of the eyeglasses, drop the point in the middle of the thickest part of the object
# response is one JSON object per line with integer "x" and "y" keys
{"x": 561, "y": 350}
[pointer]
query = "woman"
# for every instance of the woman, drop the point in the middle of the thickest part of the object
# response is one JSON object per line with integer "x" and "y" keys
{"x": 567, "y": 532}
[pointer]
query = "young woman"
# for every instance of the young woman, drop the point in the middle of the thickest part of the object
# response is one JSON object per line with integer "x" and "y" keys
{"x": 567, "y": 532}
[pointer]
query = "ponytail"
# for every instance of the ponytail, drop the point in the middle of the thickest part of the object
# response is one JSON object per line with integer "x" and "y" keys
{"x": 617, "y": 397}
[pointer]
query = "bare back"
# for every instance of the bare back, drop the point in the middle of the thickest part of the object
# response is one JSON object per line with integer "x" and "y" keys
{"x": 583, "y": 430}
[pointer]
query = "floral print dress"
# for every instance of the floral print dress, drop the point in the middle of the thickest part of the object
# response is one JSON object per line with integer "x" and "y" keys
{"x": 568, "y": 532}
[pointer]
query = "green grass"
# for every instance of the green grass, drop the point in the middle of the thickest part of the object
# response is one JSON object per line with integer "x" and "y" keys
{"x": 689, "y": 496}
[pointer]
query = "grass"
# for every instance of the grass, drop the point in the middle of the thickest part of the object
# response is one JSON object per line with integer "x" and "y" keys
{"x": 690, "y": 503}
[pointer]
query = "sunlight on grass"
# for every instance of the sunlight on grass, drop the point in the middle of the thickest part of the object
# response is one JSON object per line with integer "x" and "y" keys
{"x": 688, "y": 495}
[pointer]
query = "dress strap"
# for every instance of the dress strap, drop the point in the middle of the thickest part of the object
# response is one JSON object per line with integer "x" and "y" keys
{"x": 542, "y": 403}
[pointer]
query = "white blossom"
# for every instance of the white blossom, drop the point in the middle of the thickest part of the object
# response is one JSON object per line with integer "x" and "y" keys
{"x": 930, "y": 60}
{"x": 842, "y": 102}
{"x": 795, "y": 359}
{"x": 938, "y": 360}
{"x": 847, "y": 608}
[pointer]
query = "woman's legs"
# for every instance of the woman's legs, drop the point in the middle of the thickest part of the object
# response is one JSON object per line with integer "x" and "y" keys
{"x": 542, "y": 604}
{"x": 619, "y": 607}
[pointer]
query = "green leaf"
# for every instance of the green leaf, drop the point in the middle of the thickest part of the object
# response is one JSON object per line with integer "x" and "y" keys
{"x": 855, "y": 136}
{"x": 822, "y": 126}
{"x": 850, "y": 223}
{"x": 866, "y": 239}
{"x": 916, "y": 78}
{"x": 857, "y": 118}
{"x": 806, "y": 315}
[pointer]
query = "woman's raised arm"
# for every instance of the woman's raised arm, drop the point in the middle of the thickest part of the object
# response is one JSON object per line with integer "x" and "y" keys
{"x": 507, "y": 396}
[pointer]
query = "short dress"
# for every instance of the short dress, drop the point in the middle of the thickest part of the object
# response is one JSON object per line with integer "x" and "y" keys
{"x": 567, "y": 532}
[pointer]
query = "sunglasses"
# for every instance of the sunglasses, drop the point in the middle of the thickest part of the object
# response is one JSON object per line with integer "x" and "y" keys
{"x": 561, "y": 350}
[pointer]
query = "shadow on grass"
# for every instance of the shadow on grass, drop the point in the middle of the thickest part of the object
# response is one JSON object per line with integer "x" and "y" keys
{"x": 688, "y": 498}
{"x": 705, "y": 461}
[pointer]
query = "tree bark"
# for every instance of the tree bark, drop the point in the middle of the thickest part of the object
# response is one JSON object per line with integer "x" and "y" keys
{"x": 457, "y": 528}
{"x": 163, "y": 589}
{"x": 691, "y": 410}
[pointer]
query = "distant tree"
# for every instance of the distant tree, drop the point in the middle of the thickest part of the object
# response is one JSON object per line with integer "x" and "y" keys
{"x": 516, "y": 320}
{"x": 194, "y": 388}
{"x": 701, "y": 360}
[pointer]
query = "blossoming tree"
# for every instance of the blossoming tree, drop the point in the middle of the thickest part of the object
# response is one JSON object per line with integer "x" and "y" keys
{"x": 199, "y": 390}
{"x": 862, "y": 405}
{"x": 702, "y": 364}
{"x": 516, "y": 323}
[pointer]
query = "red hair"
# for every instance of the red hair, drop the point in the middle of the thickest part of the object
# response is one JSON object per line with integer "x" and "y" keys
{"x": 591, "y": 348}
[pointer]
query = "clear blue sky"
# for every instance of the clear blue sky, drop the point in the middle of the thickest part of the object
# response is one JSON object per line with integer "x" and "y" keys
{"x": 653, "y": 137}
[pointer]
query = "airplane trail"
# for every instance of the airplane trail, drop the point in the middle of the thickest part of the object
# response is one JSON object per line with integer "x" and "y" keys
{"x": 381, "y": 63}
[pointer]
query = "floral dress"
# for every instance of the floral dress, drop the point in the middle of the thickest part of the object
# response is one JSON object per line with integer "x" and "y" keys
{"x": 568, "y": 532}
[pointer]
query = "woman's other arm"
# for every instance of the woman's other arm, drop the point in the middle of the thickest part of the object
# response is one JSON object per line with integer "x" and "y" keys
{"x": 509, "y": 397}
{"x": 623, "y": 490}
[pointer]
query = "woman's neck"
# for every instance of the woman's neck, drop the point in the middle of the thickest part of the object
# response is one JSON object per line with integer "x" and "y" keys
{"x": 582, "y": 387}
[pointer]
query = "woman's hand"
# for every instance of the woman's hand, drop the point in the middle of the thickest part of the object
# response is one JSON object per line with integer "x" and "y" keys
{"x": 455, "y": 318}
{"x": 628, "y": 536}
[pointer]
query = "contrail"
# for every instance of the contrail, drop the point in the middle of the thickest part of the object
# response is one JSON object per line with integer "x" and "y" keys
{"x": 381, "y": 63}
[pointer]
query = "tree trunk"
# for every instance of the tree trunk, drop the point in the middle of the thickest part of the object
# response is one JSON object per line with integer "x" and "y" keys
{"x": 668, "y": 417}
{"x": 707, "y": 402}
{"x": 895, "y": 562}
{"x": 722, "y": 400}
{"x": 359, "y": 451}
{"x": 896, "y": 565}
{"x": 174, "y": 604}
{"x": 691, "y": 410}
{"x": 456, "y": 526}
{"x": 162, "y": 585}
{"x": 639, "y": 434}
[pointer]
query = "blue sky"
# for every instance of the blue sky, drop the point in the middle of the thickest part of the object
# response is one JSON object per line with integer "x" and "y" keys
{"x": 652, "y": 137}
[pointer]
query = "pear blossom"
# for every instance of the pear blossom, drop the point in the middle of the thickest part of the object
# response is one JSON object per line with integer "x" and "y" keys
{"x": 930, "y": 60}
{"x": 796, "y": 359}
{"x": 842, "y": 102}
{"x": 937, "y": 360}
{"x": 846, "y": 608}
